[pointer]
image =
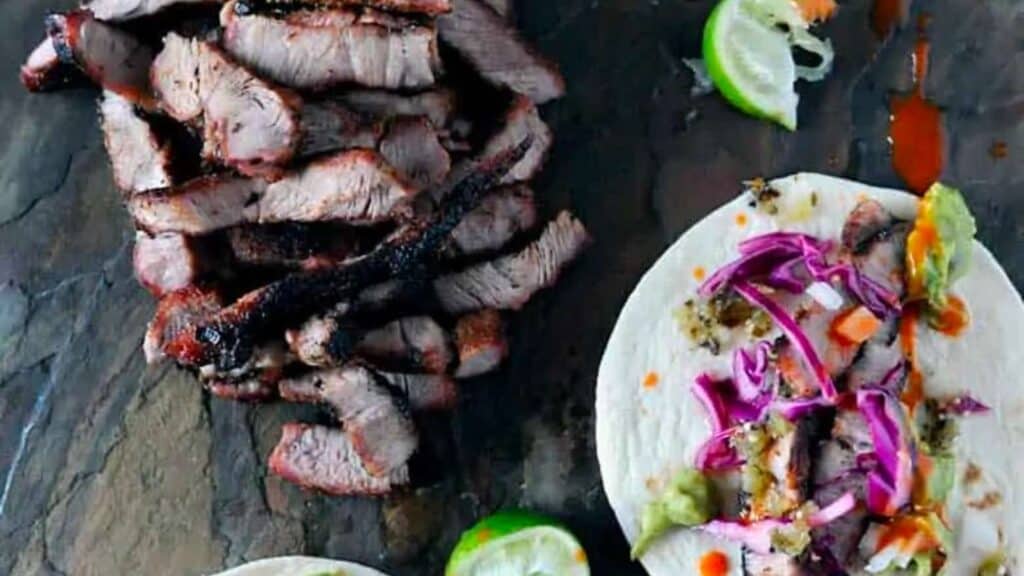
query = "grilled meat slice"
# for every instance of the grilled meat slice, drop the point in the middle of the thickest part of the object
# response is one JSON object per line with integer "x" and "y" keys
{"x": 777, "y": 476}
{"x": 381, "y": 432}
{"x": 495, "y": 50}
{"x": 438, "y": 105}
{"x": 522, "y": 119}
{"x": 428, "y": 7}
{"x": 318, "y": 49}
{"x": 412, "y": 146}
{"x": 174, "y": 76}
{"x": 357, "y": 186}
{"x": 198, "y": 206}
{"x": 248, "y": 123}
{"x": 877, "y": 241}
{"x": 480, "y": 340}
{"x": 140, "y": 161}
{"x": 112, "y": 58}
{"x": 502, "y": 7}
{"x": 839, "y": 538}
{"x": 291, "y": 245}
{"x": 324, "y": 459}
{"x": 328, "y": 126}
{"x": 117, "y": 10}
{"x": 175, "y": 314}
{"x": 508, "y": 282}
{"x": 501, "y": 215}
{"x": 778, "y": 564}
{"x": 43, "y": 69}
{"x": 880, "y": 361}
{"x": 836, "y": 353}
{"x": 227, "y": 338}
{"x": 169, "y": 262}
{"x": 413, "y": 344}
{"x": 425, "y": 392}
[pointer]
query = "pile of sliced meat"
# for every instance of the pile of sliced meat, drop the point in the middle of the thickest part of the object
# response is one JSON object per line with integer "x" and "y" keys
{"x": 327, "y": 210}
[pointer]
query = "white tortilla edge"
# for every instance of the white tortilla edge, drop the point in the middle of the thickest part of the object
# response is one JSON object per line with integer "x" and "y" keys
{"x": 644, "y": 434}
{"x": 300, "y": 566}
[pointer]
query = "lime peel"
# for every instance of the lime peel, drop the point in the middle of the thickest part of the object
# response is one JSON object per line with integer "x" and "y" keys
{"x": 520, "y": 542}
{"x": 749, "y": 56}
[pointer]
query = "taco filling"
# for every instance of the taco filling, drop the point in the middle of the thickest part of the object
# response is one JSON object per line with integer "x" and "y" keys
{"x": 823, "y": 416}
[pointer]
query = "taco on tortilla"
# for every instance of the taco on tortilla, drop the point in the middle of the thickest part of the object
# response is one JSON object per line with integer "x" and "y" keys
{"x": 821, "y": 377}
{"x": 301, "y": 566}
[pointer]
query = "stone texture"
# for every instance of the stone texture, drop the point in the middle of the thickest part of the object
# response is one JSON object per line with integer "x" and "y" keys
{"x": 107, "y": 467}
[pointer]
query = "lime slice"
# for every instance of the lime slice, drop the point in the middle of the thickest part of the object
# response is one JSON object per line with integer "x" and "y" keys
{"x": 751, "y": 63}
{"x": 517, "y": 543}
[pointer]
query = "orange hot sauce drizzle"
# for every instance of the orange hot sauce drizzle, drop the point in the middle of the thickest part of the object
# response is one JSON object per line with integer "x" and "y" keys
{"x": 914, "y": 392}
{"x": 714, "y": 563}
{"x": 954, "y": 318}
{"x": 915, "y": 130}
{"x": 651, "y": 380}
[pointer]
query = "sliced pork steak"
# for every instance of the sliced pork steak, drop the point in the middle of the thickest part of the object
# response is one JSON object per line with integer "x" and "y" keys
{"x": 501, "y": 216}
{"x": 413, "y": 344}
{"x": 509, "y": 282}
{"x": 324, "y": 459}
{"x": 259, "y": 388}
{"x": 248, "y": 123}
{"x": 429, "y": 7}
{"x": 292, "y": 245}
{"x": 175, "y": 78}
{"x": 412, "y": 146}
{"x": 497, "y": 52}
{"x": 169, "y": 262}
{"x": 381, "y": 432}
{"x": 43, "y": 70}
{"x": 424, "y": 392}
{"x": 117, "y": 10}
{"x": 356, "y": 186}
{"x": 480, "y": 339}
{"x": 328, "y": 126}
{"x": 438, "y": 105}
{"x": 112, "y": 58}
{"x": 198, "y": 206}
{"x": 318, "y": 49}
{"x": 140, "y": 161}
{"x": 522, "y": 119}
{"x": 229, "y": 337}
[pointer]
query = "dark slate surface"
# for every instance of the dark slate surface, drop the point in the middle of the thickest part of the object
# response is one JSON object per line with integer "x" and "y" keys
{"x": 110, "y": 467}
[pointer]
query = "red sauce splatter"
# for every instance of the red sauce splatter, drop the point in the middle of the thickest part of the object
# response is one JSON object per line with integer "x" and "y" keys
{"x": 915, "y": 130}
{"x": 886, "y": 15}
{"x": 714, "y": 563}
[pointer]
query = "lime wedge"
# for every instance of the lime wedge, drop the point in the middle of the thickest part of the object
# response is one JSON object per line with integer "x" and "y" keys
{"x": 517, "y": 543}
{"x": 747, "y": 48}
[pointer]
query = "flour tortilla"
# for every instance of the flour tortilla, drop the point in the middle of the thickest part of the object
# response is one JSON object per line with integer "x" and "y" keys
{"x": 300, "y": 566}
{"x": 645, "y": 434}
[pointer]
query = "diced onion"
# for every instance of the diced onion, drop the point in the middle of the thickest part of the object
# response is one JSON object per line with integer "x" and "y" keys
{"x": 824, "y": 294}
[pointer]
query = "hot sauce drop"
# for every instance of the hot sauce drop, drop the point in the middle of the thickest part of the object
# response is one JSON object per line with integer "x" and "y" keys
{"x": 954, "y": 317}
{"x": 915, "y": 130}
{"x": 886, "y": 14}
{"x": 714, "y": 563}
{"x": 914, "y": 392}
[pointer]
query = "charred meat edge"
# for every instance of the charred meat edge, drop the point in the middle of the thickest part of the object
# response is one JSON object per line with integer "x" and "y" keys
{"x": 228, "y": 337}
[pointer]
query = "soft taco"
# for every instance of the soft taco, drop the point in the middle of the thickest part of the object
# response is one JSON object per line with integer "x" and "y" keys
{"x": 821, "y": 377}
{"x": 301, "y": 566}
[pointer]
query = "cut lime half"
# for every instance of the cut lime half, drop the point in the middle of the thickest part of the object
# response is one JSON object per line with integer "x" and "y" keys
{"x": 517, "y": 543}
{"x": 751, "y": 63}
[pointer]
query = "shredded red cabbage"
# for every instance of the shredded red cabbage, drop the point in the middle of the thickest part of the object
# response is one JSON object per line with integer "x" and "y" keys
{"x": 793, "y": 410}
{"x": 963, "y": 406}
{"x": 890, "y": 481}
{"x": 790, "y": 261}
{"x": 757, "y": 536}
{"x": 792, "y": 331}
